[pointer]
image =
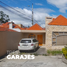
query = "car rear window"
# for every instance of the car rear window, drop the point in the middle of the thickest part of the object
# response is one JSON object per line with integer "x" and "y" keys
{"x": 25, "y": 41}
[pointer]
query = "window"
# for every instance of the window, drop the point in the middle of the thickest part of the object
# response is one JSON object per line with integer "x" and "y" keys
{"x": 25, "y": 41}
{"x": 31, "y": 35}
{"x": 35, "y": 40}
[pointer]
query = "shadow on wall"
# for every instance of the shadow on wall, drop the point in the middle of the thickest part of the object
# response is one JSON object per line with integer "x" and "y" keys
{"x": 9, "y": 41}
{"x": 13, "y": 39}
{"x": 3, "y": 46}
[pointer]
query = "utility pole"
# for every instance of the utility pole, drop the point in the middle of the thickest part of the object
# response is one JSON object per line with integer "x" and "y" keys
{"x": 32, "y": 13}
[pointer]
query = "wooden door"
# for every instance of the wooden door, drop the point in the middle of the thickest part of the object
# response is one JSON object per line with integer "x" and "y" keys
{"x": 40, "y": 39}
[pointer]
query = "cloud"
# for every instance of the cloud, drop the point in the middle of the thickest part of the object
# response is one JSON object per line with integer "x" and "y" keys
{"x": 43, "y": 10}
{"x": 18, "y": 17}
{"x": 61, "y": 4}
{"x": 39, "y": 4}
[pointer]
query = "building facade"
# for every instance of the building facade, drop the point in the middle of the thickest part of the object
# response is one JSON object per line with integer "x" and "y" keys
{"x": 54, "y": 36}
{"x": 56, "y": 32}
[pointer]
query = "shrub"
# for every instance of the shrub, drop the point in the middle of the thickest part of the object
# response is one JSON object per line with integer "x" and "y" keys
{"x": 64, "y": 50}
{"x": 54, "y": 52}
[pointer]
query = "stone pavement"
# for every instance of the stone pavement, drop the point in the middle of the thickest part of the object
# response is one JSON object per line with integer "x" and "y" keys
{"x": 39, "y": 61}
{"x": 41, "y": 51}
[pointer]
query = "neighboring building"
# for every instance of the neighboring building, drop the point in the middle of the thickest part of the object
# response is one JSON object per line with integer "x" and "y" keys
{"x": 20, "y": 25}
{"x": 12, "y": 26}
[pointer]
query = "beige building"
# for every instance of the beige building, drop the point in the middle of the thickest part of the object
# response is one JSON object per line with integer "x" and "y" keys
{"x": 56, "y": 32}
{"x": 53, "y": 37}
{"x": 20, "y": 25}
{"x": 37, "y": 32}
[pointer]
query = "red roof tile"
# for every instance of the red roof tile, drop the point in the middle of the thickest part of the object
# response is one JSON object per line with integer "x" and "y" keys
{"x": 16, "y": 26}
{"x": 6, "y": 25}
{"x": 60, "y": 20}
{"x": 35, "y": 27}
{"x": 6, "y": 29}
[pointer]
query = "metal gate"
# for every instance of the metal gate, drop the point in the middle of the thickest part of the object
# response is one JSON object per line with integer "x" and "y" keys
{"x": 59, "y": 38}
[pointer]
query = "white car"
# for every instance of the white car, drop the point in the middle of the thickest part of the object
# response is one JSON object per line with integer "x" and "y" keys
{"x": 28, "y": 44}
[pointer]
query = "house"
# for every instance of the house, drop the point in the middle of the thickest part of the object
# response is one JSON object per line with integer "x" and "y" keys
{"x": 56, "y": 32}
{"x": 12, "y": 26}
{"x": 53, "y": 36}
{"x": 35, "y": 31}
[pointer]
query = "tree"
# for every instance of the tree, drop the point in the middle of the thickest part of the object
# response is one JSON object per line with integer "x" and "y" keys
{"x": 3, "y": 17}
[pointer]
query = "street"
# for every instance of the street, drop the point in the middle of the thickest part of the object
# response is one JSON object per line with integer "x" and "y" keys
{"x": 39, "y": 61}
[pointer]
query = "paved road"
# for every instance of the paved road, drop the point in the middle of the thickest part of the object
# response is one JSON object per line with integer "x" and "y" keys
{"x": 39, "y": 61}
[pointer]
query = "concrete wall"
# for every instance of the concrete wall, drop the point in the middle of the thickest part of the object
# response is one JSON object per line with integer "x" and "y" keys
{"x": 49, "y": 30}
{"x": 13, "y": 39}
{"x": 3, "y": 48}
{"x": 9, "y": 41}
{"x": 25, "y": 35}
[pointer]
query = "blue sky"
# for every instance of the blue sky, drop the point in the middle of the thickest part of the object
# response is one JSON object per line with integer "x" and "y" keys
{"x": 42, "y": 8}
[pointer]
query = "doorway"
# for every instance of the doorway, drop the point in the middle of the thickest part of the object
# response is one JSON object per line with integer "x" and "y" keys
{"x": 40, "y": 39}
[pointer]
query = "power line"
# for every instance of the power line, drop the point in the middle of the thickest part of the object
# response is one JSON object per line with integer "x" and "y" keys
{"x": 15, "y": 10}
{"x": 12, "y": 8}
{"x": 15, "y": 13}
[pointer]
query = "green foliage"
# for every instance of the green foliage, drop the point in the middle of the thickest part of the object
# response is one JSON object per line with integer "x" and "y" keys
{"x": 64, "y": 50}
{"x": 54, "y": 52}
{"x": 3, "y": 17}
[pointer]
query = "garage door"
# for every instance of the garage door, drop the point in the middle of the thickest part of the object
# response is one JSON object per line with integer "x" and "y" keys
{"x": 59, "y": 38}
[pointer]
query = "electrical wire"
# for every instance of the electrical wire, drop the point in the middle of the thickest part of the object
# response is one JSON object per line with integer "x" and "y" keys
{"x": 17, "y": 11}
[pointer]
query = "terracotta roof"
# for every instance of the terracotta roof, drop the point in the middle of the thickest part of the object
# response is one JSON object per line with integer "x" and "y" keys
{"x": 6, "y": 29}
{"x": 16, "y": 26}
{"x": 35, "y": 27}
{"x": 6, "y": 25}
{"x": 60, "y": 20}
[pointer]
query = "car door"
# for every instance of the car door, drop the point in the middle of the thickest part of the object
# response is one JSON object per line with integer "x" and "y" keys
{"x": 36, "y": 43}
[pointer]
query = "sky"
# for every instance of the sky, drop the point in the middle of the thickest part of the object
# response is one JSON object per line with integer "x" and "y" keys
{"x": 41, "y": 9}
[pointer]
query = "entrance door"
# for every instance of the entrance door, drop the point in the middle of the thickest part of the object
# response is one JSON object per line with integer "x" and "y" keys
{"x": 40, "y": 39}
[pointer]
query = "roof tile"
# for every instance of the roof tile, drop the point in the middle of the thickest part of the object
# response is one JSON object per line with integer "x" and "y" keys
{"x": 60, "y": 20}
{"x": 35, "y": 27}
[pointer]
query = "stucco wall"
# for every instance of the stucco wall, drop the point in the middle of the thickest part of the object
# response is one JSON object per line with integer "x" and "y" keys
{"x": 3, "y": 48}
{"x": 49, "y": 30}
{"x": 13, "y": 39}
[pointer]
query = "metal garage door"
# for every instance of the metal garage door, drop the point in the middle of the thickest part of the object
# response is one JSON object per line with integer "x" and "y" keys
{"x": 59, "y": 38}
{"x": 62, "y": 40}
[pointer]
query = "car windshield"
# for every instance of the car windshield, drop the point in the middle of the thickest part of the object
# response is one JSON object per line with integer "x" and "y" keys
{"x": 25, "y": 41}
